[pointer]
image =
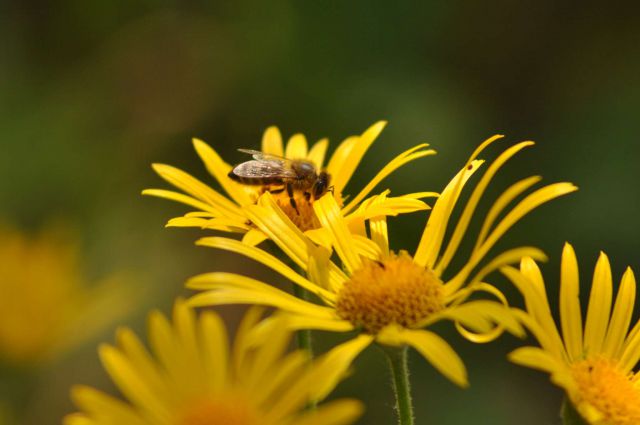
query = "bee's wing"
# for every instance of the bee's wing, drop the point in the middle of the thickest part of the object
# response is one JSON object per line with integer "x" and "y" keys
{"x": 264, "y": 168}
{"x": 261, "y": 156}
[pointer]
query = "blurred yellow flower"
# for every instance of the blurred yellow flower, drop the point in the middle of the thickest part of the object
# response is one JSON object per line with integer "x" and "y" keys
{"x": 193, "y": 378}
{"x": 45, "y": 305}
{"x": 389, "y": 296}
{"x": 594, "y": 364}
{"x": 218, "y": 212}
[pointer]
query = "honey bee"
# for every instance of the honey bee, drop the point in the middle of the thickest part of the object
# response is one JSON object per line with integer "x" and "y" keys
{"x": 294, "y": 174}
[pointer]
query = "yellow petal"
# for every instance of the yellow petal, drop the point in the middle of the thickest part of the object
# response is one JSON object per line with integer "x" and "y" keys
{"x": 220, "y": 170}
{"x": 183, "y": 199}
{"x": 272, "y": 142}
{"x": 332, "y": 367}
{"x": 621, "y": 316}
{"x": 254, "y": 237}
{"x": 131, "y": 385}
{"x": 400, "y": 160}
{"x": 294, "y": 323}
{"x": 228, "y": 288}
{"x": 535, "y": 358}
{"x": 570, "y": 312}
{"x": 431, "y": 240}
{"x": 345, "y": 160}
{"x": 336, "y": 412}
{"x": 438, "y": 352}
{"x": 379, "y": 233}
{"x": 500, "y": 204}
{"x": 465, "y": 218}
{"x": 199, "y": 190}
{"x": 317, "y": 152}
{"x": 329, "y": 215}
{"x": 525, "y": 206}
{"x": 599, "y": 307}
{"x": 268, "y": 260}
{"x": 214, "y": 350}
{"x": 95, "y": 403}
{"x": 296, "y": 147}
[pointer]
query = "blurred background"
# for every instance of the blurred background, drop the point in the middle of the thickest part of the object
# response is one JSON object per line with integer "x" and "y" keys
{"x": 92, "y": 93}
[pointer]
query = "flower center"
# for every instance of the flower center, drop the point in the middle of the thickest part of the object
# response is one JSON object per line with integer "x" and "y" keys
{"x": 392, "y": 290}
{"x": 303, "y": 216}
{"x": 613, "y": 393}
{"x": 214, "y": 411}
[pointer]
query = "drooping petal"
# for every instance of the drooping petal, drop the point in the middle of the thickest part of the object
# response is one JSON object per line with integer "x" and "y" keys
{"x": 183, "y": 199}
{"x": 432, "y": 347}
{"x": 96, "y": 403}
{"x": 535, "y": 358}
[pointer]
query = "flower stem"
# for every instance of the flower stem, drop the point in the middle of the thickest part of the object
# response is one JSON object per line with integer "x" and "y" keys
{"x": 569, "y": 414}
{"x": 397, "y": 357}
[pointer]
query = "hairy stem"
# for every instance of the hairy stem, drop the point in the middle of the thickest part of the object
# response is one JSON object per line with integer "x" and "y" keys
{"x": 397, "y": 357}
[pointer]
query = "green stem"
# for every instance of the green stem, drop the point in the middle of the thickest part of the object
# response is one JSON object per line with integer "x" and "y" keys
{"x": 303, "y": 336}
{"x": 397, "y": 357}
{"x": 569, "y": 414}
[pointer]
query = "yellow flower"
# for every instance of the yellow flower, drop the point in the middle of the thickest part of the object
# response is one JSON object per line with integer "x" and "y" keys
{"x": 45, "y": 304}
{"x": 193, "y": 378}
{"x": 594, "y": 364}
{"x": 389, "y": 296}
{"x": 228, "y": 214}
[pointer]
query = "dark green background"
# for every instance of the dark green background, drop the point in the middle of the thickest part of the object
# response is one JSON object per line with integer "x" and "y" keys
{"x": 91, "y": 93}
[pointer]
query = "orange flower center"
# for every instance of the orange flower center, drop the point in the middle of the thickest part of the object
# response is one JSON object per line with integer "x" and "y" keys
{"x": 392, "y": 290}
{"x": 212, "y": 411}
{"x": 303, "y": 216}
{"x": 612, "y": 392}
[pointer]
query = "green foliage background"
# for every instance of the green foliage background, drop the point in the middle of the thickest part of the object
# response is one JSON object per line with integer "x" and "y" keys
{"x": 91, "y": 93}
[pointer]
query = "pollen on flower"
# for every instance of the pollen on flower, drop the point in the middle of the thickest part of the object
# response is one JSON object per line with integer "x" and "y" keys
{"x": 392, "y": 290}
{"x": 304, "y": 218}
{"x": 613, "y": 393}
{"x": 217, "y": 411}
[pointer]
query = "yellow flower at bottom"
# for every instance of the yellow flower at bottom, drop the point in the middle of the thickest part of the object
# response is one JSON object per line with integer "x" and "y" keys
{"x": 46, "y": 305}
{"x": 595, "y": 364}
{"x": 390, "y": 297}
{"x": 193, "y": 378}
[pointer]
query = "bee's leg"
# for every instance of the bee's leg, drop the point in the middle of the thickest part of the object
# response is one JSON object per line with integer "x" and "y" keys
{"x": 307, "y": 196}
{"x": 277, "y": 191}
{"x": 330, "y": 189}
{"x": 291, "y": 199}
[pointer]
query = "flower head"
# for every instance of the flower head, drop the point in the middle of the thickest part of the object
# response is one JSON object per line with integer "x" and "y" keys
{"x": 46, "y": 305}
{"x": 594, "y": 363}
{"x": 229, "y": 213}
{"x": 389, "y": 296}
{"x": 194, "y": 378}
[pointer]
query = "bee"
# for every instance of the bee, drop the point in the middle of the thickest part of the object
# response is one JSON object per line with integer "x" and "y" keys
{"x": 294, "y": 174}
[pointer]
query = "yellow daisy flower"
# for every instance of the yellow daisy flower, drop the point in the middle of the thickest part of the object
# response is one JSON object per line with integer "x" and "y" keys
{"x": 46, "y": 305}
{"x": 229, "y": 213}
{"x": 389, "y": 296}
{"x": 594, "y": 363}
{"x": 194, "y": 378}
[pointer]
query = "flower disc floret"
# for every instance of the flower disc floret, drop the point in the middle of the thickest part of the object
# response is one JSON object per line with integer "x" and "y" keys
{"x": 612, "y": 392}
{"x": 218, "y": 411}
{"x": 392, "y": 290}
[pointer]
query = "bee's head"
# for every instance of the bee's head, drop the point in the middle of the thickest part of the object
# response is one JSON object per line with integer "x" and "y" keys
{"x": 321, "y": 185}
